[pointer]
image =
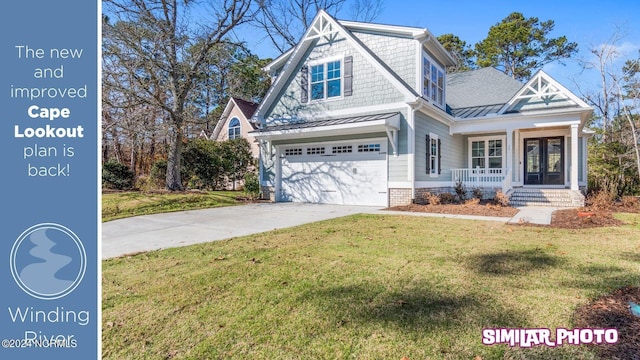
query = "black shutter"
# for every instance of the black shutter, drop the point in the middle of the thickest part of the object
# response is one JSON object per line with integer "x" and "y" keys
{"x": 428, "y": 155}
{"x": 348, "y": 76}
{"x": 439, "y": 156}
{"x": 304, "y": 84}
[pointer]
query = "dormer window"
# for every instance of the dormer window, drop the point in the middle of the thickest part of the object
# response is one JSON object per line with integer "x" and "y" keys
{"x": 432, "y": 81}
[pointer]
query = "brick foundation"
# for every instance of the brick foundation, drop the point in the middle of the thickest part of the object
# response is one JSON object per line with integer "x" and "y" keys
{"x": 398, "y": 197}
{"x": 268, "y": 193}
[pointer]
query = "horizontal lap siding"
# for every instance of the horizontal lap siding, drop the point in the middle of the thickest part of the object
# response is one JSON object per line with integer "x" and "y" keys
{"x": 452, "y": 148}
{"x": 398, "y": 164}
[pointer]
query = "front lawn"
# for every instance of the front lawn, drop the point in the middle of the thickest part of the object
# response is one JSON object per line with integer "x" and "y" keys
{"x": 363, "y": 287}
{"x": 117, "y": 205}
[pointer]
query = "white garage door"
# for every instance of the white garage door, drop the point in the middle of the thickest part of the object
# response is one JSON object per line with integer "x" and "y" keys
{"x": 349, "y": 173}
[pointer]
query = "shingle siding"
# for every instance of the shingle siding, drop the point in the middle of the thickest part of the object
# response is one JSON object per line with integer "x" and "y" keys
{"x": 398, "y": 53}
{"x": 370, "y": 87}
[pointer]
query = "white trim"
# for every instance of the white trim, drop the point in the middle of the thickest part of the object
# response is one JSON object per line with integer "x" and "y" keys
{"x": 436, "y": 173}
{"x": 574, "y": 157}
{"x": 536, "y": 78}
{"x": 486, "y": 140}
{"x": 433, "y": 184}
{"x": 439, "y": 68}
{"x": 382, "y": 125}
{"x": 328, "y": 115}
{"x": 325, "y": 62}
{"x": 399, "y": 184}
{"x": 524, "y": 135}
{"x": 300, "y": 49}
{"x": 228, "y": 123}
{"x": 411, "y": 150}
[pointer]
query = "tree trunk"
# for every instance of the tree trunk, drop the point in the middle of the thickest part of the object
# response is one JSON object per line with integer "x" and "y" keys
{"x": 173, "y": 180}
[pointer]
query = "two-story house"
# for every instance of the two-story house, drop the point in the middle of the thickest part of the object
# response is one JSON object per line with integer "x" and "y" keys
{"x": 365, "y": 114}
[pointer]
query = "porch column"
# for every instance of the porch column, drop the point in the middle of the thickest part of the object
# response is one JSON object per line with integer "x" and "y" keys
{"x": 574, "y": 157}
{"x": 509, "y": 164}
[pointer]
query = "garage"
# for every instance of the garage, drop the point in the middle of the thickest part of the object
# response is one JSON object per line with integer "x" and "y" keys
{"x": 347, "y": 173}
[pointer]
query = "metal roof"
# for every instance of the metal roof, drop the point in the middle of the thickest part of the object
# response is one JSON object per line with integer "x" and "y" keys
{"x": 302, "y": 124}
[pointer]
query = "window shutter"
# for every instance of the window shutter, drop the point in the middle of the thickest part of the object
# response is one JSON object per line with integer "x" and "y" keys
{"x": 304, "y": 84}
{"x": 348, "y": 76}
{"x": 428, "y": 154}
{"x": 439, "y": 156}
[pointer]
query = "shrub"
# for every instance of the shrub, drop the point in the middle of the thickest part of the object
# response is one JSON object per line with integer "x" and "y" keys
{"x": 461, "y": 191}
{"x": 472, "y": 201}
{"x": 117, "y": 176}
{"x": 158, "y": 174}
{"x": 630, "y": 201}
{"x": 501, "y": 199}
{"x": 447, "y": 198}
{"x": 478, "y": 193}
{"x": 432, "y": 199}
{"x": 601, "y": 200}
{"x": 251, "y": 184}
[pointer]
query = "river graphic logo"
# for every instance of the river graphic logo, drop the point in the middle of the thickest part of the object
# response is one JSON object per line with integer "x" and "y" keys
{"x": 48, "y": 261}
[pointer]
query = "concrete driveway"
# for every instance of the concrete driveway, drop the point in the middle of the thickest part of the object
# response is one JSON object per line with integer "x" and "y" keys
{"x": 160, "y": 231}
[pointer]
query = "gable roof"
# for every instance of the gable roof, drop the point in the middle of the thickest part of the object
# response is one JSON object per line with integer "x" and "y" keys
{"x": 247, "y": 108}
{"x": 542, "y": 92}
{"x": 325, "y": 25}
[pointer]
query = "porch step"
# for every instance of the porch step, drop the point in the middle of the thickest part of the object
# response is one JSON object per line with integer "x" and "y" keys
{"x": 546, "y": 197}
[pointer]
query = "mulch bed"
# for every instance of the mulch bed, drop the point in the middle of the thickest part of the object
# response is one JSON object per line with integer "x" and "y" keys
{"x": 612, "y": 311}
{"x": 582, "y": 218}
{"x": 481, "y": 209}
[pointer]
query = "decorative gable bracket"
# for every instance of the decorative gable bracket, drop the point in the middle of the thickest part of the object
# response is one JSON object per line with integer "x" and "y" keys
{"x": 322, "y": 27}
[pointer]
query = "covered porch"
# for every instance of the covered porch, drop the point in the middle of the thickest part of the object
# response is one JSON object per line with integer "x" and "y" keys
{"x": 552, "y": 156}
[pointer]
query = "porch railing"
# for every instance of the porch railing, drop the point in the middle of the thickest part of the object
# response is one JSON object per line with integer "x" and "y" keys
{"x": 481, "y": 177}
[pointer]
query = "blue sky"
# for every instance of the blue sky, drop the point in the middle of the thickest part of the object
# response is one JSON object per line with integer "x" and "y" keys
{"x": 589, "y": 23}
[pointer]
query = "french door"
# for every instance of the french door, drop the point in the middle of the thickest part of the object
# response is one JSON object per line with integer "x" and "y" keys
{"x": 544, "y": 161}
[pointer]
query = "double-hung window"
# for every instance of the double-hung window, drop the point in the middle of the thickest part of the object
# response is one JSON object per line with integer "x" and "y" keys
{"x": 326, "y": 80}
{"x": 432, "y": 81}
{"x": 487, "y": 153}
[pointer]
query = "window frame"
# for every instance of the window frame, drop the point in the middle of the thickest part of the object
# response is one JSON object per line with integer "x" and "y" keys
{"x": 325, "y": 78}
{"x": 433, "y": 81}
{"x": 486, "y": 140}
{"x": 434, "y": 156}
{"x": 237, "y": 130}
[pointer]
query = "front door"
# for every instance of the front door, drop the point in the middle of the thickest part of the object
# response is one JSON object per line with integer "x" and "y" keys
{"x": 544, "y": 161}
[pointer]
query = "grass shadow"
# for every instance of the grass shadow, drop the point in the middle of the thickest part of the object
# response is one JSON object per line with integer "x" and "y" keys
{"x": 512, "y": 262}
{"x": 602, "y": 278}
{"x": 418, "y": 309}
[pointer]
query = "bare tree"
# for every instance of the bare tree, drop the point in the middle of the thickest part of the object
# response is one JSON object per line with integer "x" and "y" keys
{"x": 151, "y": 48}
{"x": 285, "y": 21}
{"x": 616, "y": 104}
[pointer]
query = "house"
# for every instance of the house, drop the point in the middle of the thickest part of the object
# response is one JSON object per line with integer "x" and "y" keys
{"x": 365, "y": 114}
{"x": 236, "y": 122}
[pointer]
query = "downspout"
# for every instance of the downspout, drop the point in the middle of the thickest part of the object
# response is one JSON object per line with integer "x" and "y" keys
{"x": 411, "y": 134}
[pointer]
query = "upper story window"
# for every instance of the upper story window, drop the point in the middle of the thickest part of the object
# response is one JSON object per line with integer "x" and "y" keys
{"x": 433, "y": 81}
{"x": 234, "y": 129}
{"x": 326, "y": 80}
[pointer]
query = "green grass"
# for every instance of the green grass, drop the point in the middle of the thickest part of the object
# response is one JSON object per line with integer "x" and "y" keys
{"x": 126, "y": 204}
{"x": 362, "y": 287}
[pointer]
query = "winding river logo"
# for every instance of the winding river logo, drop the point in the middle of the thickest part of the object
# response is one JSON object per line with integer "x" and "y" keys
{"x": 48, "y": 261}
